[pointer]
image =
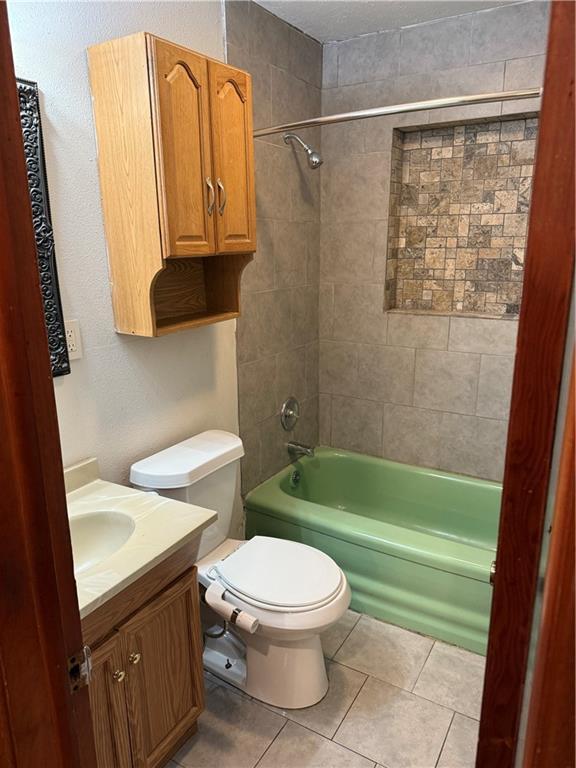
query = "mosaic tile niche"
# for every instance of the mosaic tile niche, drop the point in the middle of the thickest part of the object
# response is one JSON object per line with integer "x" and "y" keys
{"x": 458, "y": 217}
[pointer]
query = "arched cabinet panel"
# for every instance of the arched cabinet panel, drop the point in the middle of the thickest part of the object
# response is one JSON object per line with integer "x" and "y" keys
{"x": 183, "y": 149}
{"x": 231, "y": 103}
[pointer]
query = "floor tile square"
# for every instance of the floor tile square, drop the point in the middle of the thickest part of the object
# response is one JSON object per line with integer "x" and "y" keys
{"x": 333, "y": 638}
{"x": 326, "y": 716}
{"x": 459, "y": 750}
{"x": 385, "y": 651}
{"x": 454, "y": 678}
{"x": 233, "y": 732}
{"x": 394, "y": 727}
{"x": 297, "y": 747}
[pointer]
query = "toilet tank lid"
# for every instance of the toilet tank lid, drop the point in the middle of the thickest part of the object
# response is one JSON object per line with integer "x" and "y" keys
{"x": 187, "y": 462}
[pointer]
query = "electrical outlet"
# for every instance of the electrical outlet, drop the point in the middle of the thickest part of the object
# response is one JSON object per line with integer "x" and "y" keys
{"x": 73, "y": 340}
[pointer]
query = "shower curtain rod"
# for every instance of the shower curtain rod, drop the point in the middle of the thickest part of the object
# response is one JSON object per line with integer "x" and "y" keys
{"x": 396, "y": 109}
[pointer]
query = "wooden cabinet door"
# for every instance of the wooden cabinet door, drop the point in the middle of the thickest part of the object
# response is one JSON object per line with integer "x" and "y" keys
{"x": 233, "y": 153}
{"x": 164, "y": 685}
{"x": 108, "y": 705}
{"x": 181, "y": 110}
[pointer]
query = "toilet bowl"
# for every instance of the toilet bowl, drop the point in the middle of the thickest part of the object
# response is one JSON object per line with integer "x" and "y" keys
{"x": 294, "y": 593}
{"x": 276, "y": 597}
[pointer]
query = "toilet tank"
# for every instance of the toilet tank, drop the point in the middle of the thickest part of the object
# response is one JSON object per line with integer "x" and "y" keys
{"x": 202, "y": 470}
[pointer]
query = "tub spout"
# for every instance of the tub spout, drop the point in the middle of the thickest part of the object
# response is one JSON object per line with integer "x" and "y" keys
{"x": 296, "y": 450}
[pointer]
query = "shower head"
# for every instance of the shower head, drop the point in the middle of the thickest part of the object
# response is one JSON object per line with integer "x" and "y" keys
{"x": 314, "y": 158}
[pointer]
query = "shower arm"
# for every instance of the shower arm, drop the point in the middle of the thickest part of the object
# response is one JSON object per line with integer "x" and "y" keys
{"x": 396, "y": 109}
{"x": 294, "y": 137}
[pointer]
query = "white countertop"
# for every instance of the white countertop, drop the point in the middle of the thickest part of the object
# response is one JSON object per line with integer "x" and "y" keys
{"x": 161, "y": 526}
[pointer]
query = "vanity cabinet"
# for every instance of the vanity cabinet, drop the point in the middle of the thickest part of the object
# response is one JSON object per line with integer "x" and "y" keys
{"x": 146, "y": 690}
{"x": 176, "y": 161}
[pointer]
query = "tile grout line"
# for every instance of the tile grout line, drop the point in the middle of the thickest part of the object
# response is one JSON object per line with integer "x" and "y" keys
{"x": 445, "y": 739}
{"x": 284, "y": 724}
{"x": 345, "y": 715}
{"x": 342, "y": 746}
{"x": 422, "y": 668}
{"x": 333, "y": 657}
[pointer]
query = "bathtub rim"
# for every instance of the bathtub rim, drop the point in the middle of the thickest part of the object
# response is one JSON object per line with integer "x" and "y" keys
{"x": 443, "y": 554}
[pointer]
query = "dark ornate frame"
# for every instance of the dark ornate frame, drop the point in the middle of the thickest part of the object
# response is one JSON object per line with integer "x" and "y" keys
{"x": 34, "y": 153}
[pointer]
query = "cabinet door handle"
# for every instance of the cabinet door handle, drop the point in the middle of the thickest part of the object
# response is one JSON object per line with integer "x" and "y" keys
{"x": 134, "y": 658}
{"x": 211, "y": 195}
{"x": 119, "y": 675}
{"x": 222, "y": 196}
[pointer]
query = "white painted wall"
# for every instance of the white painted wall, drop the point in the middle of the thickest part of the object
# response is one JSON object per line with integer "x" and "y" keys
{"x": 127, "y": 397}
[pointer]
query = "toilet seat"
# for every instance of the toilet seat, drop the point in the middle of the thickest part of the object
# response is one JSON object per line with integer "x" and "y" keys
{"x": 279, "y": 576}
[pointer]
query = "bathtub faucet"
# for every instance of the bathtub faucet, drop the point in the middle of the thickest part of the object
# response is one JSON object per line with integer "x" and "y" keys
{"x": 296, "y": 450}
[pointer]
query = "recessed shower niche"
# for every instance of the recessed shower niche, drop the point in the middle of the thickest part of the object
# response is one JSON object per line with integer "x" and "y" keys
{"x": 458, "y": 217}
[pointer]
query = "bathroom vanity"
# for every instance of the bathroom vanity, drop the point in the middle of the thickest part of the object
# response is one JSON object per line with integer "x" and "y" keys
{"x": 138, "y": 599}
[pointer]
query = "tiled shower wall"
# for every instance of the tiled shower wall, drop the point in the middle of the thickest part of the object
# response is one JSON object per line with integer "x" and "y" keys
{"x": 278, "y": 331}
{"x": 422, "y": 388}
{"x": 458, "y": 217}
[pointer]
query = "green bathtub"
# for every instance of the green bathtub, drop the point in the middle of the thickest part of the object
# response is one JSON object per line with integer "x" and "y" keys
{"x": 416, "y": 544}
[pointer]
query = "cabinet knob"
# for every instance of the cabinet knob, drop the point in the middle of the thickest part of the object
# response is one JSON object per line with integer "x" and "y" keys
{"x": 134, "y": 658}
{"x": 119, "y": 675}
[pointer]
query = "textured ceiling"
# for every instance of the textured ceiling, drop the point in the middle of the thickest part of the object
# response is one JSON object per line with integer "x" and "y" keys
{"x": 341, "y": 19}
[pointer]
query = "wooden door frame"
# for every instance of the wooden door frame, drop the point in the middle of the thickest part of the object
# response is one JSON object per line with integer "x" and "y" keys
{"x": 535, "y": 396}
{"x": 41, "y": 722}
{"x": 550, "y": 728}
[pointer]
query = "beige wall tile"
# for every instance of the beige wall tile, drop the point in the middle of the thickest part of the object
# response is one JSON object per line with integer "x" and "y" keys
{"x": 495, "y": 386}
{"x": 274, "y": 312}
{"x": 442, "y": 44}
{"x": 372, "y": 57}
{"x": 269, "y": 37}
{"x": 347, "y": 250}
{"x": 411, "y": 435}
{"x": 355, "y": 187}
{"x": 338, "y": 367}
{"x": 524, "y": 73}
{"x": 356, "y": 425}
{"x": 251, "y": 472}
{"x": 290, "y": 376}
{"x": 446, "y": 381}
{"x": 359, "y": 313}
{"x": 421, "y": 331}
{"x": 509, "y": 32}
{"x": 329, "y": 65}
{"x": 386, "y": 373}
{"x": 326, "y": 311}
{"x": 483, "y": 335}
{"x": 306, "y": 58}
{"x": 257, "y": 391}
{"x": 473, "y": 446}
{"x": 325, "y": 419}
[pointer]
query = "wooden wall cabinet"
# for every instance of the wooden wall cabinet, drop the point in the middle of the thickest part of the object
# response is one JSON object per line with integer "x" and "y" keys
{"x": 175, "y": 153}
{"x": 146, "y": 690}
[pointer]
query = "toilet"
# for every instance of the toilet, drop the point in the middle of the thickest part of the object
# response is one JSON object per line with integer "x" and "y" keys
{"x": 276, "y": 596}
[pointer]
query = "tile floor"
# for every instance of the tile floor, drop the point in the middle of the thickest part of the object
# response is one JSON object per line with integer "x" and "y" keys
{"x": 396, "y": 700}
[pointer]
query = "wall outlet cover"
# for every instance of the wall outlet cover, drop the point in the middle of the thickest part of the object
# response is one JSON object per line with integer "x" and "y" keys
{"x": 73, "y": 340}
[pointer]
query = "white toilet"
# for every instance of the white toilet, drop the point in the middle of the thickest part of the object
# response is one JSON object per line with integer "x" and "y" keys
{"x": 276, "y": 596}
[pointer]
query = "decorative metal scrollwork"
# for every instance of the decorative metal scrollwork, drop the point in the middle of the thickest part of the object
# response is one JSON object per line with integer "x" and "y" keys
{"x": 34, "y": 152}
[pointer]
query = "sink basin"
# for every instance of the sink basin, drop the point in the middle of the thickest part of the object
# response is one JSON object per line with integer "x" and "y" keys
{"x": 97, "y": 535}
